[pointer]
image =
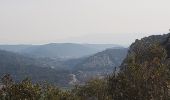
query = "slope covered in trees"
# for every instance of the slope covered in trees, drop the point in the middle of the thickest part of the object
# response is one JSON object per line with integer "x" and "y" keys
{"x": 144, "y": 75}
{"x": 60, "y": 72}
{"x": 21, "y": 67}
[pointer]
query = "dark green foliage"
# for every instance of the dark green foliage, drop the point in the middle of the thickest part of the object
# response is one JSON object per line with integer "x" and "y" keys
{"x": 26, "y": 90}
{"x": 145, "y": 76}
{"x": 93, "y": 90}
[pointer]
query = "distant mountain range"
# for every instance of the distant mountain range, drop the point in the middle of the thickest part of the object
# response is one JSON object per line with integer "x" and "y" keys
{"x": 41, "y": 66}
{"x": 58, "y": 50}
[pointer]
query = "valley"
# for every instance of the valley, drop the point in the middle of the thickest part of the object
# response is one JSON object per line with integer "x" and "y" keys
{"x": 62, "y": 64}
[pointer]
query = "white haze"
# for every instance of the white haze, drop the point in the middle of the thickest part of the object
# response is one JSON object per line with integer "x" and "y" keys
{"x": 81, "y": 21}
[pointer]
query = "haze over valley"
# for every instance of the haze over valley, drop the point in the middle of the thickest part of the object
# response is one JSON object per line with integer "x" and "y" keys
{"x": 76, "y": 63}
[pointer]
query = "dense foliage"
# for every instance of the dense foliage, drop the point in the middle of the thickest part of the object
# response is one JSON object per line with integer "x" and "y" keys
{"x": 26, "y": 90}
{"x": 144, "y": 76}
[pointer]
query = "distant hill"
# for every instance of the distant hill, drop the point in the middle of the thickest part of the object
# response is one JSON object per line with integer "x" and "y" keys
{"x": 59, "y": 71}
{"x": 15, "y": 48}
{"x": 21, "y": 67}
{"x": 58, "y": 50}
{"x": 97, "y": 65}
{"x": 109, "y": 58}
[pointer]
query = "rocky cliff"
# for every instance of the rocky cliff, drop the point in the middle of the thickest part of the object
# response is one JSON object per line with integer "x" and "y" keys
{"x": 144, "y": 49}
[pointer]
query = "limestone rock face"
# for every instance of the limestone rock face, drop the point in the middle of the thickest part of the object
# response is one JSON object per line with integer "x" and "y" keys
{"x": 73, "y": 79}
{"x": 109, "y": 58}
{"x": 142, "y": 47}
{"x": 164, "y": 40}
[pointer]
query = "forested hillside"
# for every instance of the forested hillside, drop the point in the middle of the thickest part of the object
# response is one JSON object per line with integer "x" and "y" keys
{"x": 98, "y": 65}
{"x": 144, "y": 75}
{"x": 20, "y": 67}
{"x": 64, "y": 73}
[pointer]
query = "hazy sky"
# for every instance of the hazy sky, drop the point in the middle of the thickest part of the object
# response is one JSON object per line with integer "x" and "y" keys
{"x": 82, "y": 21}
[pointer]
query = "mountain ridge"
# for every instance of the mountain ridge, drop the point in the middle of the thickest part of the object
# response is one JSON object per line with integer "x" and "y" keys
{"x": 59, "y": 50}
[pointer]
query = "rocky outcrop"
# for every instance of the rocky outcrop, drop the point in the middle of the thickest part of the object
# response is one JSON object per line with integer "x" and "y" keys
{"x": 109, "y": 58}
{"x": 73, "y": 79}
{"x": 142, "y": 47}
{"x": 163, "y": 40}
